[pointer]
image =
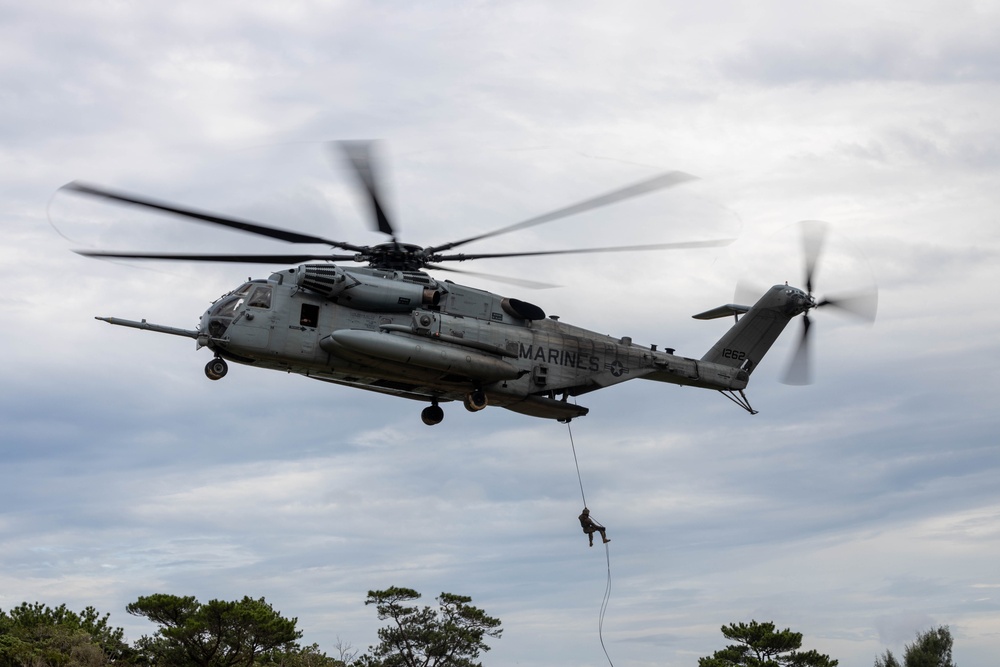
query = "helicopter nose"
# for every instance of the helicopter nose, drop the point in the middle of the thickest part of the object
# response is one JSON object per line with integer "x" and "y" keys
{"x": 203, "y": 330}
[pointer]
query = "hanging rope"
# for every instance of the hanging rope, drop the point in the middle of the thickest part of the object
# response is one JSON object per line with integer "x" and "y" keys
{"x": 577, "y": 462}
{"x": 607, "y": 553}
{"x": 604, "y": 606}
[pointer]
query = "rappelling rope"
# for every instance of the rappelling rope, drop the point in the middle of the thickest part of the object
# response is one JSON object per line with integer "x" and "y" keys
{"x": 607, "y": 553}
{"x": 604, "y": 607}
{"x": 577, "y": 462}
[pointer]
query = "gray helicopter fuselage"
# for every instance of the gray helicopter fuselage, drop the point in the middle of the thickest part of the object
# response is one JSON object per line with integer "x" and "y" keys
{"x": 406, "y": 334}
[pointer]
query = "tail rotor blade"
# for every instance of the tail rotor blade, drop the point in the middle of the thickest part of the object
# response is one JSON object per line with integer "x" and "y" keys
{"x": 799, "y": 370}
{"x": 813, "y": 237}
{"x": 862, "y": 304}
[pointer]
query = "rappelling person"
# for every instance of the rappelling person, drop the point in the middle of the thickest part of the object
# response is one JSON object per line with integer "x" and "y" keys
{"x": 590, "y": 527}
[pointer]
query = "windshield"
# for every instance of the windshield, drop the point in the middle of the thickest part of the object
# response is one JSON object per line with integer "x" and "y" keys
{"x": 261, "y": 297}
{"x": 226, "y": 306}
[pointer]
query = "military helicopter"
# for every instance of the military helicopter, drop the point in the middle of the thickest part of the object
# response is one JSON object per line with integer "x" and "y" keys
{"x": 390, "y": 327}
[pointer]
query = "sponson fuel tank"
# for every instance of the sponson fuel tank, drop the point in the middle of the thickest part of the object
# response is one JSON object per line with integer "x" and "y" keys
{"x": 409, "y": 349}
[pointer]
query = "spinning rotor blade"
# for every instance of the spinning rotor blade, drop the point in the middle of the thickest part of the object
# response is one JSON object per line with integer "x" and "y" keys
{"x": 813, "y": 237}
{"x": 519, "y": 282}
{"x": 862, "y": 304}
{"x": 241, "y": 259}
{"x": 748, "y": 293}
{"x": 359, "y": 155}
{"x": 581, "y": 251}
{"x": 232, "y": 223}
{"x": 660, "y": 182}
{"x": 799, "y": 369}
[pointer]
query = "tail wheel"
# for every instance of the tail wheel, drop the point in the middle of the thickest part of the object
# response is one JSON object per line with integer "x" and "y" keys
{"x": 216, "y": 369}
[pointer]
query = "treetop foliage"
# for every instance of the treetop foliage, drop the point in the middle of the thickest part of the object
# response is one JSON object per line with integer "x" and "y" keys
{"x": 931, "y": 649}
{"x": 451, "y": 636}
{"x": 242, "y": 633}
{"x": 214, "y": 634}
{"x": 762, "y": 645}
{"x": 37, "y": 635}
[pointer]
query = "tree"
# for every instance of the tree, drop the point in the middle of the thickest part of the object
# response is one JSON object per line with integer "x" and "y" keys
{"x": 215, "y": 634}
{"x": 38, "y": 635}
{"x": 931, "y": 649}
{"x": 302, "y": 656}
{"x": 761, "y": 645}
{"x": 452, "y": 636}
{"x": 887, "y": 660}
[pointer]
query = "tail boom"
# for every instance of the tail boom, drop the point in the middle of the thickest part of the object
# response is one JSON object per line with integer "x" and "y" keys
{"x": 747, "y": 341}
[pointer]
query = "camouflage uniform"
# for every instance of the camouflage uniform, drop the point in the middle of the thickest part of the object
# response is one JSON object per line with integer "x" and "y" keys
{"x": 590, "y": 527}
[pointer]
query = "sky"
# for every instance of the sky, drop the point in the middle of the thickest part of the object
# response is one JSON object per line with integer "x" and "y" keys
{"x": 859, "y": 510}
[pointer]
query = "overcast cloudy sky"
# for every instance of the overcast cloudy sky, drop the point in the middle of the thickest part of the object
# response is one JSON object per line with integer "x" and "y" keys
{"x": 859, "y": 510}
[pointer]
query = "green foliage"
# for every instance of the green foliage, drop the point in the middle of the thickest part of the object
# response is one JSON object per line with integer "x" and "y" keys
{"x": 452, "y": 636}
{"x": 761, "y": 645}
{"x": 215, "y": 634}
{"x": 299, "y": 656}
{"x": 36, "y": 635}
{"x": 887, "y": 660}
{"x": 931, "y": 649}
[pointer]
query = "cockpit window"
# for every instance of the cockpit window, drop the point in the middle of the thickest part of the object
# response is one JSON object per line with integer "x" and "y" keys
{"x": 227, "y": 307}
{"x": 261, "y": 297}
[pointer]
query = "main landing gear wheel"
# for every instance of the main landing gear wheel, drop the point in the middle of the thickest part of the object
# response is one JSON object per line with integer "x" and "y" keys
{"x": 216, "y": 369}
{"x": 432, "y": 414}
{"x": 475, "y": 400}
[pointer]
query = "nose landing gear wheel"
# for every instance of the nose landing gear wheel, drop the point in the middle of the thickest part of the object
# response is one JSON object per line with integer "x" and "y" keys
{"x": 216, "y": 369}
{"x": 432, "y": 415}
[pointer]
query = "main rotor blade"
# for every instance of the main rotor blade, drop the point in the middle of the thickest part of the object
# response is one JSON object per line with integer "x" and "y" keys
{"x": 520, "y": 282}
{"x": 799, "y": 370}
{"x": 232, "y": 223}
{"x": 813, "y": 237}
{"x": 748, "y": 293}
{"x": 580, "y": 251}
{"x": 241, "y": 259}
{"x": 359, "y": 155}
{"x": 660, "y": 182}
{"x": 862, "y": 304}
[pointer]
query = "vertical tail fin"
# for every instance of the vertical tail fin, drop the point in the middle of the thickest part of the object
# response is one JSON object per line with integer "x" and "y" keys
{"x": 747, "y": 341}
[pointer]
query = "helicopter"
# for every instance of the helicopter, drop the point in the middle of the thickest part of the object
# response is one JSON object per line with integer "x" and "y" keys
{"x": 390, "y": 327}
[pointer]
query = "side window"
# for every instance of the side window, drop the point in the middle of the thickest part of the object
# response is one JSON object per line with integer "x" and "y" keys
{"x": 309, "y": 315}
{"x": 261, "y": 297}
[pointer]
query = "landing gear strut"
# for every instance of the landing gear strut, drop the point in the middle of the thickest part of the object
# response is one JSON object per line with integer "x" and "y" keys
{"x": 432, "y": 414}
{"x": 216, "y": 369}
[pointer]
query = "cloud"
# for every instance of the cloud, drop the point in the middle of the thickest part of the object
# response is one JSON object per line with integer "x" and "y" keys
{"x": 869, "y": 496}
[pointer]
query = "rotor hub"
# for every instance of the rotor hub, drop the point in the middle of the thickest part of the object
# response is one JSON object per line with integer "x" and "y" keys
{"x": 394, "y": 256}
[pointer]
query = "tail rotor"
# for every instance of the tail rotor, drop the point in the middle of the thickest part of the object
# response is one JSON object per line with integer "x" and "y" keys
{"x": 862, "y": 304}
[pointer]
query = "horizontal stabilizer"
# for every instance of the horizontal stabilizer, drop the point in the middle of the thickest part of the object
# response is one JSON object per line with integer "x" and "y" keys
{"x": 722, "y": 311}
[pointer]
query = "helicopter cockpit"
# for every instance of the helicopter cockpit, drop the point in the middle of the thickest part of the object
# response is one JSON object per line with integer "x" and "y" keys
{"x": 256, "y": 293}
